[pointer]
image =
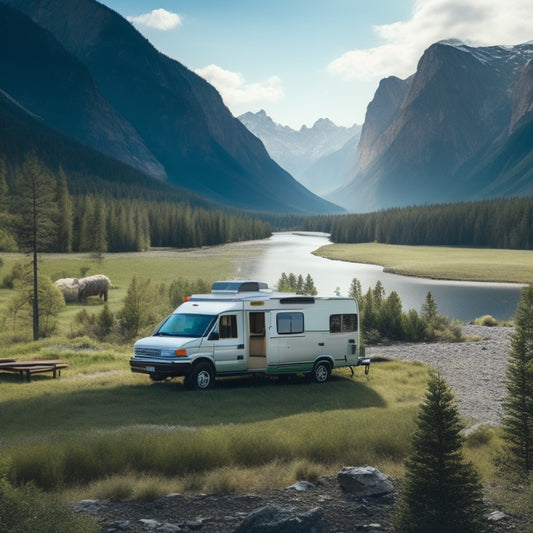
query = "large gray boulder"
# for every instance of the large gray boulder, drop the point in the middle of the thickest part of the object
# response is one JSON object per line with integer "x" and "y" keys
{"x": 274, "y": 519}
{"x": 364, "y": 481}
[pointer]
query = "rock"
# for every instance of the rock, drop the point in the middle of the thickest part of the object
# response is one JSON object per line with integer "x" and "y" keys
{"x": 364, "y": 481}
{"x": 496, "y": 516}
{"x": 92, "y": 507}
{"x": 274, "y": 519}
{"x": 301, "y": 486}
{"x": 169, "y": 528}
{"x": 149, "y": 522}
{"x": 194, "y": 524}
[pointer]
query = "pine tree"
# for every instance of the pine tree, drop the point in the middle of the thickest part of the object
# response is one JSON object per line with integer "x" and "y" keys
{"x": 7, "y": 240}
{"x": 441, "y": 491}
{"x": 429, "y": 309}
{"x": 390, "y": 317}
{"x": 104, "y": 322}
{"x": 64, "y": 215}
{"x": 300, "y": 284}
{"x": 35, "y": 211}
{"x": 309, "y": 286}
{"x": 99, "y": 245}
{"x": 518, "y": 406}
{"x": 283, "y": 283}
{"x": 356, "y": 292}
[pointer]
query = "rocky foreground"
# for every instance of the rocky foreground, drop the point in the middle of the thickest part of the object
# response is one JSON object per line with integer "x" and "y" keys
{"x": 474, "y": 370}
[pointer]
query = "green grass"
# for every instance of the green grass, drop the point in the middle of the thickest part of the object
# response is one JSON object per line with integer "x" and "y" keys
{"x": 99, "y": 420}
{"x": 102, "y": 431}
{"x": 161, "y": 266}
{"x": 439, "y": 262}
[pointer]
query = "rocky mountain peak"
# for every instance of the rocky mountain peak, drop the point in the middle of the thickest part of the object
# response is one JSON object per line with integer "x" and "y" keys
{"x": 426, "y": 138}
{"x": 298, "y": 150}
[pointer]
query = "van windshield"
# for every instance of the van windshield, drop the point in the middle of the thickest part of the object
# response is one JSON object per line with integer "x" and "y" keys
{"x": 186, "y": 325}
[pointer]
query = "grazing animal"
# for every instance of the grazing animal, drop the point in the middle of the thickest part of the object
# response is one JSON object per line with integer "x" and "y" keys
{"x": 75, "y": 289}
{"x": 96, "y": 285}
{"x": 69, "y": 287}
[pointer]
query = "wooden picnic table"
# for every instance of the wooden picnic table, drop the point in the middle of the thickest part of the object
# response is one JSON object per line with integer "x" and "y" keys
{"x": 26, "y": 368}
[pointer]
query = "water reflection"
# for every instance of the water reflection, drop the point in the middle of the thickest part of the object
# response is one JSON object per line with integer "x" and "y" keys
{"x": 291, "y": 252}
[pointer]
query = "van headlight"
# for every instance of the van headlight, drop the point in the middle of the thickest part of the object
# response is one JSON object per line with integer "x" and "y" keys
{"x": 174, "y": 353}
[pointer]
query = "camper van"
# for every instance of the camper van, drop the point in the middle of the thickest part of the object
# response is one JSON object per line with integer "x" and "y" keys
{"x": 242, "y": 327}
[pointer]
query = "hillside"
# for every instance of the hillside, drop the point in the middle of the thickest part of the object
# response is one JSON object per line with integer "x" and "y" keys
{"x": 129, "y": 101}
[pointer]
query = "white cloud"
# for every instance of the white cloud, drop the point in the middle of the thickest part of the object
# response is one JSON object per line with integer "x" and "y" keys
{"x": 476, "y": 22}
{"x": 236, "y": 90}
{"x": 159, "y": 19}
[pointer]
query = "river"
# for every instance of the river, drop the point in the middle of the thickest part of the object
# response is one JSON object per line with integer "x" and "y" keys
{"x": 291, "y": 252}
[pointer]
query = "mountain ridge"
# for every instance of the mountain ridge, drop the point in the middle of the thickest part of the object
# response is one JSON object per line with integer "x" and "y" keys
{"x": 178, "y": 116}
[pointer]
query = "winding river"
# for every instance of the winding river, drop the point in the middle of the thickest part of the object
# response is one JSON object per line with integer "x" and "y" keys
{"x": 291, "y": 252}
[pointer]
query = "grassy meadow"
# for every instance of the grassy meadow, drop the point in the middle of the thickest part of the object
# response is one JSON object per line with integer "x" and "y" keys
{"x": 102, "y": 431}
{"x": 439, "y": 262}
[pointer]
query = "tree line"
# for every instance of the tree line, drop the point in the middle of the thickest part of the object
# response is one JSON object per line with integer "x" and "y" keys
{"x": 502, "y": 223}
{"x": 102, "y": 223}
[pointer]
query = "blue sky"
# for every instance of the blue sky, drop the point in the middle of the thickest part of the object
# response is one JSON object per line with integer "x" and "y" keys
{"x": 301, "y": 60}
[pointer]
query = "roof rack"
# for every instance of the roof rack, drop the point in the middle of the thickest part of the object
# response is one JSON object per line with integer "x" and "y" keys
{"x": 236, "y": 286}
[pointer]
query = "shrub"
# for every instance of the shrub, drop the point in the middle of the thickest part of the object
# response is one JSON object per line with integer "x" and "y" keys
{"x": 486, "y": 320}
{"x": 26, "y": 508}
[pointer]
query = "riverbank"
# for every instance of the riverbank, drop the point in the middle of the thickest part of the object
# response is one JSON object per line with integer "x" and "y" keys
{"x": 439, "y": 262}
{"x": 475, "y": 371}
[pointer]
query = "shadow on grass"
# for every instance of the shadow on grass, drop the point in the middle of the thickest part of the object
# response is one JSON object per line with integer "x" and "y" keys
{"x": 231, "y": 401}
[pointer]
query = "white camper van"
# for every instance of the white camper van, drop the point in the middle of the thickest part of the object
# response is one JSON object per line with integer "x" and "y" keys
{"x": 243, "y": 327}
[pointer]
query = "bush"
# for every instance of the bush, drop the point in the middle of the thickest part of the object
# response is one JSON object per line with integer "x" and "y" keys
{"x": 382, "y": 318}
{"x": 486, "y": 320}
{"x": 25, "y": 508}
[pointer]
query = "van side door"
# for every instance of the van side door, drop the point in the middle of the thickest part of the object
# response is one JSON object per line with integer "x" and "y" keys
{"x": 289, "y": 345}
{"x": 227, "y": 339}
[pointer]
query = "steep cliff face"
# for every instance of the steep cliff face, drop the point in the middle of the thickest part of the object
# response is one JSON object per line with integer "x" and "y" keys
{"x": 179, "y": 117}
{"x": 521, "y": 98}
{"x": 423, "y": 136}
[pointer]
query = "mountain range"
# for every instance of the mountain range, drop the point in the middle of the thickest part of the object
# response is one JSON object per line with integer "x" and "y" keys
{"x": 460, "y": 128}
{"x": 308, "y": 154}
{"x": 75, "y": 73}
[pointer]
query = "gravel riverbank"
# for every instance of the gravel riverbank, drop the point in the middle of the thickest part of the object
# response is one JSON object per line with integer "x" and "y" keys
{"x": 475, "y": 371}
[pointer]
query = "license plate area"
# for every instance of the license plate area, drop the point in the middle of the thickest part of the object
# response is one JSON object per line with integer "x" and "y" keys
{"x": 150, "y": 369}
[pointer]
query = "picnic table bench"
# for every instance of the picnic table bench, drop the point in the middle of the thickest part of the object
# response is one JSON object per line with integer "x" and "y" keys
{"x": 26, "y": 368}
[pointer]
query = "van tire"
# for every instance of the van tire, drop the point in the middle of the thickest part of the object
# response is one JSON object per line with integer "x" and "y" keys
{"x": 321, "y": 372}
{"x": 201, "y": 377}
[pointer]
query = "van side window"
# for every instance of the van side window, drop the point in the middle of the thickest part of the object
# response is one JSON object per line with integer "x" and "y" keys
{"x": 290, "y": 323}
{"x": 227, "y": 327}
{"x": 343, "y": 323}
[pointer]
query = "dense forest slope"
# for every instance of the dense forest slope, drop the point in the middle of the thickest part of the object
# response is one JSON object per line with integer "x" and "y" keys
{"x": 86, "y": 72}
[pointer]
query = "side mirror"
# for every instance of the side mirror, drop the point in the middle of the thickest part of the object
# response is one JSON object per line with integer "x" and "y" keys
{"x": 213, "y": 336}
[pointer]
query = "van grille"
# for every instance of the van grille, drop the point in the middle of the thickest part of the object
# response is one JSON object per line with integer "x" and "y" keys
{"x": 147, "y": 352}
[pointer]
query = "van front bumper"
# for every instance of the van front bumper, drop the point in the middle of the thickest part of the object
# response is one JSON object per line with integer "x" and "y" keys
{"x": 160, "y": 368}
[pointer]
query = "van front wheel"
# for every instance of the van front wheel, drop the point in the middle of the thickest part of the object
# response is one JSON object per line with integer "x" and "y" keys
{"x": 202, "y": 377}
{"x": 321, "y": 372}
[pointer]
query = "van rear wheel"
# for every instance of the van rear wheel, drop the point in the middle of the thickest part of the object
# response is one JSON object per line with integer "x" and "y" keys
{"x": 321, "y": 372}
{"x": 202, "y": 377}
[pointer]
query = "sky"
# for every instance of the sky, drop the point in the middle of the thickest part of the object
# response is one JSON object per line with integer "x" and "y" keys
{"x": 302, "y": 60}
